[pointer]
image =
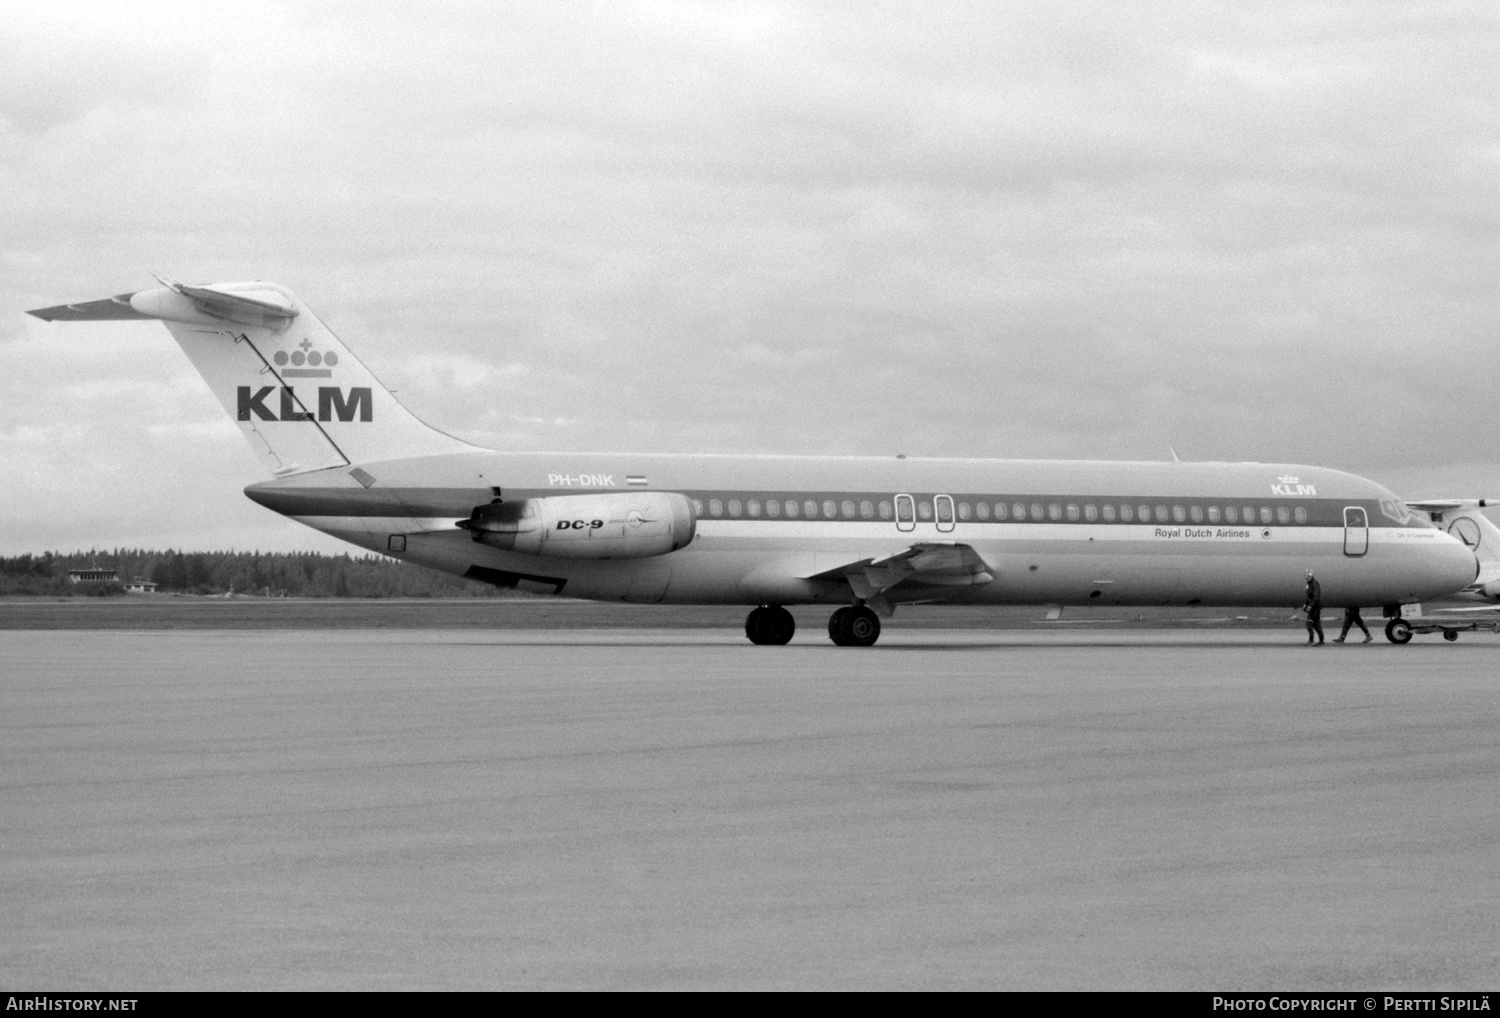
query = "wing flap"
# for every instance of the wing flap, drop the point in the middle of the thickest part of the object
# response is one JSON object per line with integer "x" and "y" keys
{"x": 927, "y": 564}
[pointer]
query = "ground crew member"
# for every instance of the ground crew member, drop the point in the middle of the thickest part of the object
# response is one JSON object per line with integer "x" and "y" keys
{"x": 1351, "y": 618}
{"x": 1314, "y": 609}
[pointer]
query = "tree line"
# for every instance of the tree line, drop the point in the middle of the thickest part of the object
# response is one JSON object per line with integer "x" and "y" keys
{"x": 262, "y": 574}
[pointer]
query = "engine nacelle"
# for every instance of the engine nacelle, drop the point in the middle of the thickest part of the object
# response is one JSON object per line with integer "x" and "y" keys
{"x": 621, "y": 524}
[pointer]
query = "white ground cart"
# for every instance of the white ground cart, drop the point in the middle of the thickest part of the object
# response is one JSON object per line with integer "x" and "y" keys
{"x": 1449, "y": 622}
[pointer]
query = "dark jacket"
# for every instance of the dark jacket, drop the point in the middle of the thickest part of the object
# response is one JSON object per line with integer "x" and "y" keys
{"x": 1314, "y": 603}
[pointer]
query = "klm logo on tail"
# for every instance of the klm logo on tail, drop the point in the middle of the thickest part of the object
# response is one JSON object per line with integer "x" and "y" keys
{"x": 332, "y": 404}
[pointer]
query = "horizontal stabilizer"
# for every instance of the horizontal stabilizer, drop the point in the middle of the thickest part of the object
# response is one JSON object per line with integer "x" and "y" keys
{"x": 252, "y": 304}
{"x": 110, "y": 309}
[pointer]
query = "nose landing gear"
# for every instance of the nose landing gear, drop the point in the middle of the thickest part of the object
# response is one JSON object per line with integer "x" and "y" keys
{"x": 854, "y": 627}
{"x": 770, "y": 625}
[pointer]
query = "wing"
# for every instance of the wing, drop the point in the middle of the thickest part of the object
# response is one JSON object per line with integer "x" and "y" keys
{"x": 926, "y": 565}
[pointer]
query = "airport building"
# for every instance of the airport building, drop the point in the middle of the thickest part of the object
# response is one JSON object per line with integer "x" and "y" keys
{"x": 94, "y": 574}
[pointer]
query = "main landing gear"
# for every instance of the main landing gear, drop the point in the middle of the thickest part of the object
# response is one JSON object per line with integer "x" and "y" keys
{"x": 770, "y": 624}
{"x": 854, "y": 627}
{"x": 848, "y": 627}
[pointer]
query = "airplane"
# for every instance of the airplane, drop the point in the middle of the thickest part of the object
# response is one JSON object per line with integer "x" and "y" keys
{"x": 1464, "y": 519}
{"x": 860, "y": 534}
{"x": 1459, "y": 612}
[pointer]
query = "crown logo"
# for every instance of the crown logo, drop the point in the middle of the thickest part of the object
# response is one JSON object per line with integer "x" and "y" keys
{"x": 318, "y": 363}
{"x": 1287, "y": 479}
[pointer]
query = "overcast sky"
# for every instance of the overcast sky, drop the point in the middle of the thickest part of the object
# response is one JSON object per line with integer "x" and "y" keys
{"x": 1095, "y": 229}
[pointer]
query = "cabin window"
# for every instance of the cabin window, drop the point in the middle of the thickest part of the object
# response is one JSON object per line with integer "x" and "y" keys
{"x": 1018, "y": 511}
{"x": 1002, "y": 511}
{"x": 697, "y": 507}
{"x": 791, "y": 508}
{"x": 982, "y": 510}
{"x": 847, "y": 509}
{"x": 1283, "y": 515}
{"x": 1231, "y": 514}
{"x": 885, "y": 510}
{"x": 1196, "y": 512}
{"x": 1300, "y": 514}
{"x": 1091, "y": 512}
{"x": 1179, "y": 514}
{"x": 1265, "y": 514}
{"x": 1054, "y": 511}
{"x": 924, "y": 510}
{"x": 1249, "y": 516}
{"x": 734, "y": 507}
{"x": 1143, "y": 513}
{"x": 1072, "y": 512}
{"x": 867, "y": 510}
{"x": 1109, "y": 514}
{"x": 810, "y": 509}
{"x": 1036, "y": 511}
{"x": 1213, "y": 514}
{"x": 773, "y": 508}
{"x": 1126, "y": 514}
{"x": 752, "y": 507}
{"x": 903, "y": 507}
{"x": 715, "y": 507}
{"x": 963, "y": 511}
{"x": 1161, "y": 514}
{"x": 945, "y": 510}
{"x": 829, "y": 509}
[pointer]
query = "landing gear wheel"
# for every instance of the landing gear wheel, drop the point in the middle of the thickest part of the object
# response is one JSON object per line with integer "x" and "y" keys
{"x": 770, "y": 625}
{"x": 854, "y": 627}
{"x": 836, "y": 627}
{"x": 1450, "y": 635}
{"x": 1398, "y": 631}
{"x": 862, "y": 626}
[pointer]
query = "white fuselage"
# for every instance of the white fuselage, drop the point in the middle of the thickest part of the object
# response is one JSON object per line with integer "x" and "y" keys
{"x": 1050, "y": 532}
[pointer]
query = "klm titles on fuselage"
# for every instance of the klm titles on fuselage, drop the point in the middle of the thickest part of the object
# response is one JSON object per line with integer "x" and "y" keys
{"x": 1287, "y": 485}
{"x": 333, "y": 404}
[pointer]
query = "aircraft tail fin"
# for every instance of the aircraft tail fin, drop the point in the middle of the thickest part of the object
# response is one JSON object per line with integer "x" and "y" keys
{"x": 302, "y": 400}
{"x": 1464, "y": 519}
